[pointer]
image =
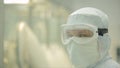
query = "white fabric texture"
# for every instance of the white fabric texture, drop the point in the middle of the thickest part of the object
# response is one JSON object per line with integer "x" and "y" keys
{"x": 87, "y": 51}
{"x": 95, "y": 17}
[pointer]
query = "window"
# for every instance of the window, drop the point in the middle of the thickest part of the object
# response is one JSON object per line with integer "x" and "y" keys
{"x": 16, "y": 1}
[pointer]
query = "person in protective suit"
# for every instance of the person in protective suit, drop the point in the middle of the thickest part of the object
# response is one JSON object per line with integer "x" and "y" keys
{"x": 86, "y": 38}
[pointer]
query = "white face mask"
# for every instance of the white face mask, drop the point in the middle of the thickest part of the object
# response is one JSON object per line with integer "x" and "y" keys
{"x": 83, "y": 54}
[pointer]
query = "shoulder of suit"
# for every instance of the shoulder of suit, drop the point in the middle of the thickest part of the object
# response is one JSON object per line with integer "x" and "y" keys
{"x": 108, "y": 64}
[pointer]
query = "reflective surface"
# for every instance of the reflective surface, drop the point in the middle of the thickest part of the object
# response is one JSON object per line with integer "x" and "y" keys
{"x": 79, "y": 33}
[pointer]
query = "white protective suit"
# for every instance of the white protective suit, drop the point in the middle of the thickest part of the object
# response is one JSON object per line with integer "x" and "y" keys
{"x": 93, "y": 53}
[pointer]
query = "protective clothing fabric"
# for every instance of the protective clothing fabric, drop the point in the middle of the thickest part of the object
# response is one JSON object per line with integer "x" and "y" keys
{"x": 92, "y": 54}
{"x": 86, "y": 51}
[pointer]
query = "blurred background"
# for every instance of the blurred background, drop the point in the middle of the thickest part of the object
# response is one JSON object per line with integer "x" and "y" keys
{"x": 30, "y": 34}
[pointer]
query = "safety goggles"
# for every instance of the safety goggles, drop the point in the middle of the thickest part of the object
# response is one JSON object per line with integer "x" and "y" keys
{"x": 79, "y": 33}
{"x": 82, "y": 31}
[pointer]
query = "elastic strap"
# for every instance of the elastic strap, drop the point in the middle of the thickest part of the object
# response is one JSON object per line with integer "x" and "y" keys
{"x": 102, "y": 31}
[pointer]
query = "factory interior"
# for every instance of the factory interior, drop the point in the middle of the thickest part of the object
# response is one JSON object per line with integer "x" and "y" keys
{"x": 30, "y": 31}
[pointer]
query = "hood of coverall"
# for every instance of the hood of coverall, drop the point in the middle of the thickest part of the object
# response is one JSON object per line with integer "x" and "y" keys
{"x": 96, "y": 18}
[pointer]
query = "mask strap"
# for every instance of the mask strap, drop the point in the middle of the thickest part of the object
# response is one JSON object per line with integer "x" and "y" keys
{"x": 102, "y": 31}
